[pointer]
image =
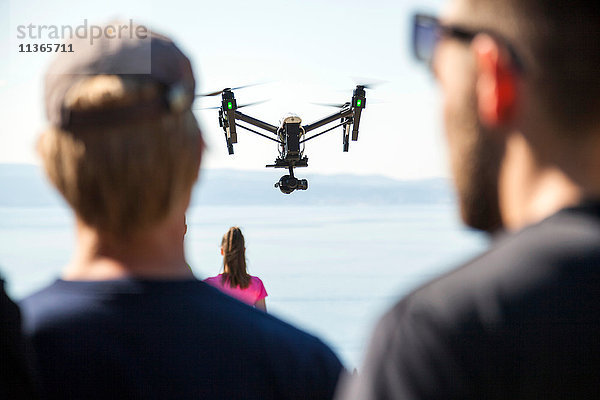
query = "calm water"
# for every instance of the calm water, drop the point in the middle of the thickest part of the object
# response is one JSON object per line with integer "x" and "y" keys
{"x": 330, "y": 270}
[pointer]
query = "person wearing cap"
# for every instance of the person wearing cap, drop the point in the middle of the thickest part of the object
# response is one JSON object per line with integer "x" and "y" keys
{"x": 127, "y": 318}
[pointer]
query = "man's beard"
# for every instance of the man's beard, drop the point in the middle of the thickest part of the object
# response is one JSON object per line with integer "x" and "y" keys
{"x": 475, "y": 157}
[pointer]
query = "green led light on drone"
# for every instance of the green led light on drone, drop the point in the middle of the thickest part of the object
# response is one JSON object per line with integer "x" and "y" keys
{"x": 229, "y": 105}
{"x": 358, "y": 102}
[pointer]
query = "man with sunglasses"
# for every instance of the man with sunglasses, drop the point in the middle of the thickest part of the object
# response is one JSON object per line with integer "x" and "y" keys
{"x": 521, "y": 87}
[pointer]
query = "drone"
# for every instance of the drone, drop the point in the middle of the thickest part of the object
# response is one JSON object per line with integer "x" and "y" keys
{"x": 290, "y": 135}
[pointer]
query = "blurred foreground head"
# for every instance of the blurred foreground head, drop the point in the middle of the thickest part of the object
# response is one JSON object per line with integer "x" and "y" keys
{"x": 510, "y": 71}
{"x": 123, "y": 147}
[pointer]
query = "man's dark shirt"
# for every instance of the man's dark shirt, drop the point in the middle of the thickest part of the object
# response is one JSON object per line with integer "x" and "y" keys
{"x": 16, "y": 378}
{"x": 169, "y": 340}
{"x": 522, "y": 321}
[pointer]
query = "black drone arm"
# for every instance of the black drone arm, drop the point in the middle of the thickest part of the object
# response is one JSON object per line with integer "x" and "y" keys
{"x": 256, "y": 122}
{"x": 258, "y": 133}
{"x": 345, "y": 113}
{"x": 325, "y": 131}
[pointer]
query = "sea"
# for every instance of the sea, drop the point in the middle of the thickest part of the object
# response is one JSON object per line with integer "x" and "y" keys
{"x": 329, "y": 270}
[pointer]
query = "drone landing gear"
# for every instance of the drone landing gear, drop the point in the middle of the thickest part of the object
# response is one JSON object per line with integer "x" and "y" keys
{"x": 346, "y": 137}
{"x": 288, "y": 183}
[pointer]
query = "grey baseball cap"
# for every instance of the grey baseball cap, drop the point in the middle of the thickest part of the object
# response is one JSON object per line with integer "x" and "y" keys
{"x": 137, "y": 53}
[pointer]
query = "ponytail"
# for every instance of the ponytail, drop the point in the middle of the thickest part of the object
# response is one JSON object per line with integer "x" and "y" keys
{"x": 234, "y": 257}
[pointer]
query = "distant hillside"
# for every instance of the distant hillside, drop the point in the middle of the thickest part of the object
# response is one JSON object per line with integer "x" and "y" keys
{"x": 256, "y": 187}
{"x": 25, "y": 186}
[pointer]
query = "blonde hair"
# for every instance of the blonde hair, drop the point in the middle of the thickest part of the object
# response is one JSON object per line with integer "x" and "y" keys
{"x": 122, "y": 177}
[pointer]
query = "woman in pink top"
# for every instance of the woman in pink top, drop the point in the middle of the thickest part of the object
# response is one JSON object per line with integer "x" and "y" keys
{"x": 235, "y": 280}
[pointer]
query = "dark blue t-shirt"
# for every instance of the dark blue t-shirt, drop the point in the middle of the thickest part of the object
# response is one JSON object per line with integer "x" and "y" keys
{"x": 147, "y": 339}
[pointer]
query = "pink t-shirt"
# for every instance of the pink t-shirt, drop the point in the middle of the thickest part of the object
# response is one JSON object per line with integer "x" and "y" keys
{"x": 253, "y": 293}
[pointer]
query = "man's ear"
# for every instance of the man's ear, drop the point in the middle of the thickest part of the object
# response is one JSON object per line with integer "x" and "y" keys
{"x": 496, "y": 82}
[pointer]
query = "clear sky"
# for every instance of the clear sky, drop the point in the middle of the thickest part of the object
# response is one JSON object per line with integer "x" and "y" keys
{"x": 310, "y": 51}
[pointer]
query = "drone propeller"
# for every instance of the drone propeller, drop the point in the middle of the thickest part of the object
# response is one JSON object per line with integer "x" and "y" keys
{"x": 253, "y": 103}
{"x": 218, "y": 92}
{"x": 242, "y": 106}
{"x": 334, "y": 105}
{"x": 365, "y": 83}
{"x": 368, "y": 83}
{"x": 342, "y": 105}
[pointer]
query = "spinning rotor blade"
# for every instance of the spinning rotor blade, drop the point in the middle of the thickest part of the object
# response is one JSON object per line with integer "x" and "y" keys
{"x": 252, "y": 104}
{"x": 218, "y": 92}
{"x": 250, "y": 85}
{"x": 209, "y": 94}
{"x": 368, "y": 83}
{"x": 334, "y": 105}
{"x": 243, "y": 105}
{"x": 208, "y": 108}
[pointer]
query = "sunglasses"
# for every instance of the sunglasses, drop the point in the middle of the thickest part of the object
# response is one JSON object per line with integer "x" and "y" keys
{"x": 428, "y": 31}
